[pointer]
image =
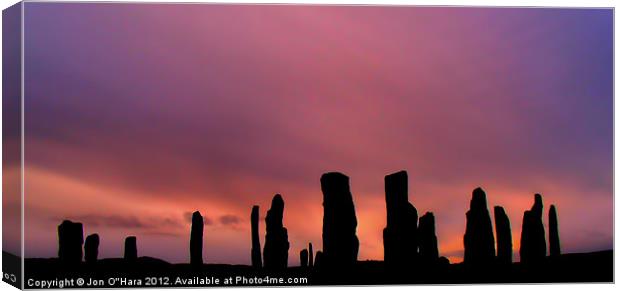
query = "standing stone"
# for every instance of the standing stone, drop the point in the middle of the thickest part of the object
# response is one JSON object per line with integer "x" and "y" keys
{"x": 91, "y": 248}
{"x": 318, "y": 259}
{"x": 478, "y": 240}
{"x": 400, "y": 237}
{"x": 554, "y": 234}
{"x": 533, "y": 244}
{"x": 195, "y": 239}
{"x": 257, "y": 261}
{"x": 303, "y": 258}
{"x": 443, "y": 262}
{"x": 340, "y": 243}
{"x": 70, "y": 241}
{"x": 428, "y": 240}
{"x": 504, "y": 236}
{"x": 131, "y": 249}
{"x": 310, "y": 256}
{"x": 276, "y": 239}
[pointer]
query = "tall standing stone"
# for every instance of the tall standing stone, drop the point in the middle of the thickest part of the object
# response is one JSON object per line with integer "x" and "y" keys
{"x": 91, "y": 248}
{"x": 340, "y": 242}
{"x": 533, "y": 243}
{"x": 70, "y": 241}
{"x": 478, "y": 240}
{"x": 276, "y": 239}
{"x": 195, "y": 239}
{"x": 554, "y": 234}
{"x": 310, "y": 256}
{"x": 303, "y": 258}
{"x": 429, "y": 252}
{"x": 400, "y": 237}
{"x": 257, "y": 261}
{"x": 504, "y": 236}
{"x": 131, "y": 249}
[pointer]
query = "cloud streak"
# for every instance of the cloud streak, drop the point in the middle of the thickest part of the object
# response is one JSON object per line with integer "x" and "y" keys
{"x": 132, "y": 222}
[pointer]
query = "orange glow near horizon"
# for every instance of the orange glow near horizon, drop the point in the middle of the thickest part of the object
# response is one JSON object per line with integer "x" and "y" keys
{"x": 167, "y": 220}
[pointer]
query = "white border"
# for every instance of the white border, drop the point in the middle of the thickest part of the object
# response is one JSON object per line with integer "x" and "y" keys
{"x": 502, "y": 3}
{"x": 494, "y": 3}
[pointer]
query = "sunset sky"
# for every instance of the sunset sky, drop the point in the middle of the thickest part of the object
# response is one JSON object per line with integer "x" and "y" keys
{"x": 138, "y": 114}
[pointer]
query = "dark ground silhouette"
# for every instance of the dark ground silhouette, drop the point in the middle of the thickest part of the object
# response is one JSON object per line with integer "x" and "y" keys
{"x": 583, "y": 267}
{"x": 411, "y": 252}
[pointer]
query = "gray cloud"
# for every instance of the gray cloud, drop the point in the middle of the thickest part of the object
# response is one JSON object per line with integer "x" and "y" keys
{"x": 128, "y": 222}
{"x": 229, "y": 219}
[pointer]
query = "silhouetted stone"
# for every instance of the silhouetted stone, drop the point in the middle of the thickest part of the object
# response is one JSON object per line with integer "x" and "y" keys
{"x": 554, "y": 234}
{"x": 504, "y": 236}
{"x": 318, "y": 259}
{"x": 443, "y": 262}
{"x": 428, "y": 240}
{"x": 70, "y": 241}
{"x": 537, "y": 208}
{"x": 91, "y": 248}
{"x": 303, "y": 258}
{"x": 276, "y": 239}
{"x": 400, "y": 237}
{"x": 533, "y": 244}
{"x": 131, "y": 249}
{"x": 310, "y": 256}
{"x": 478, "y": 240}
{"x": 257, "y": 261}
{"x": 195, "y": 240}
{"x": 340, "y": 243}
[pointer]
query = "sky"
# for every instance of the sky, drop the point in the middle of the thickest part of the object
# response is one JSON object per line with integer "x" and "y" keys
{"x": 137, "y": 115}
